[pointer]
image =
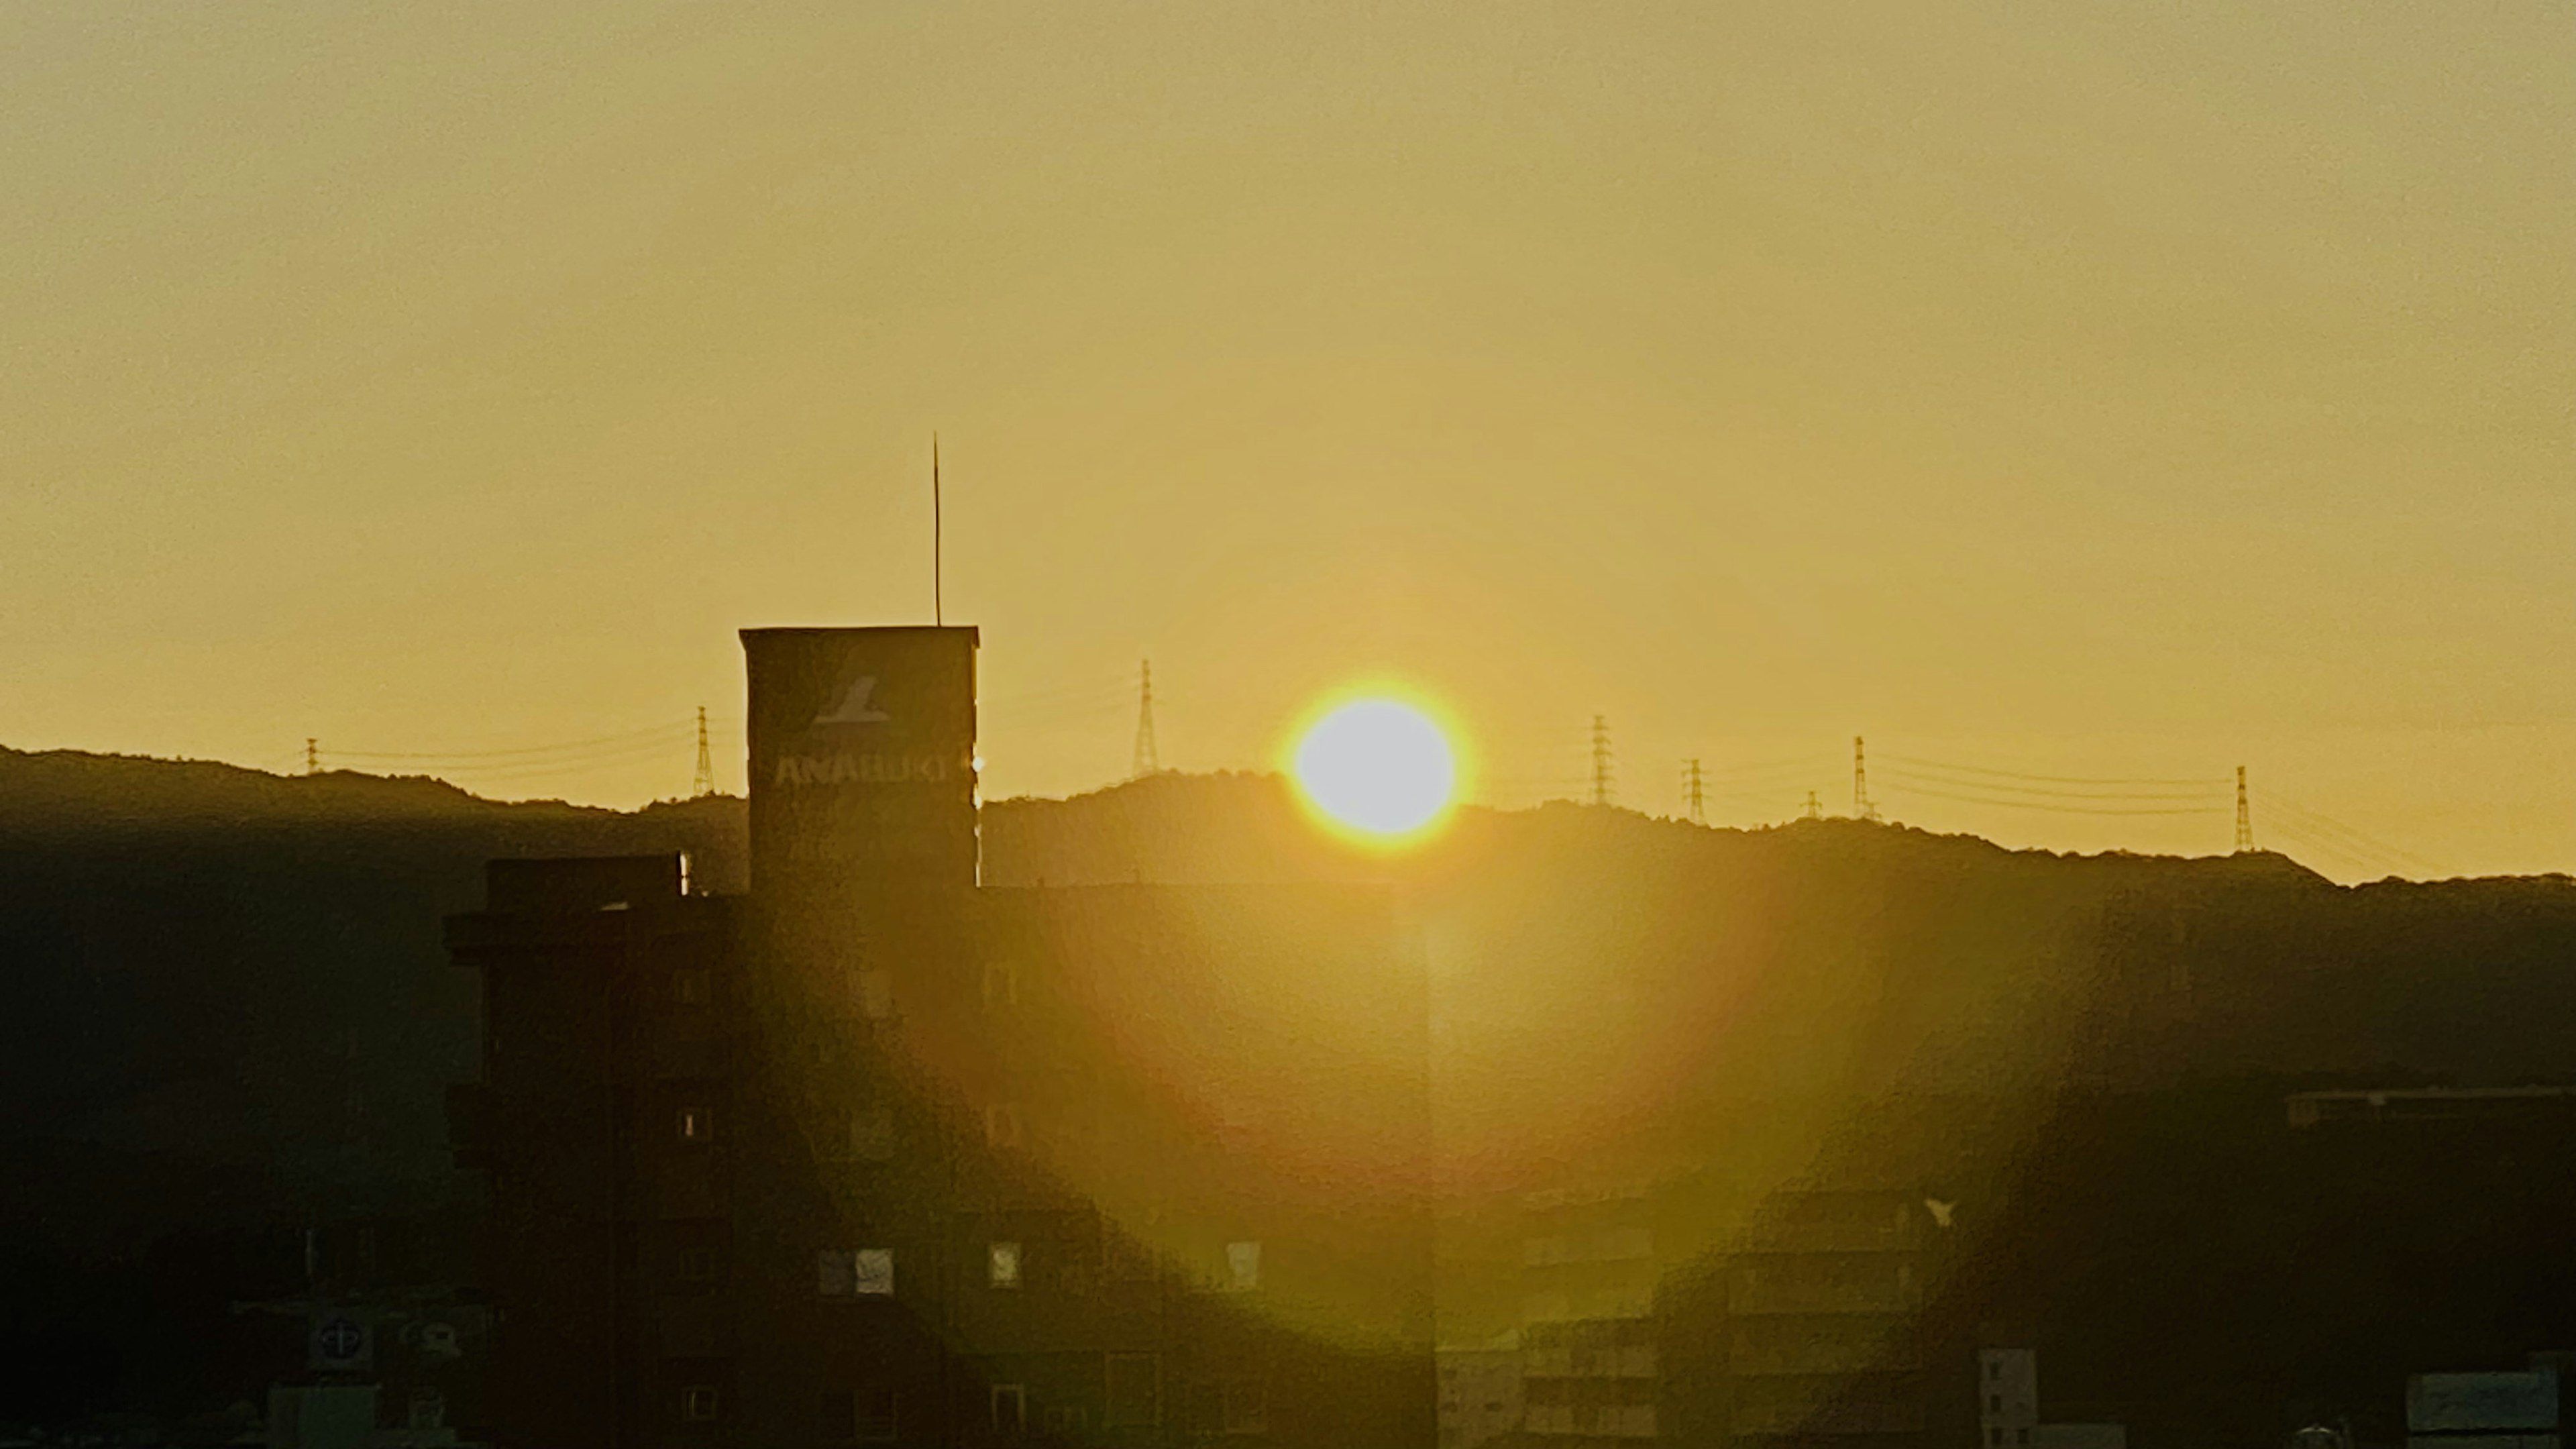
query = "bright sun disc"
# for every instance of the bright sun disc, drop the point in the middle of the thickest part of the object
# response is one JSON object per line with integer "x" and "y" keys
{"x": 1377, "y": 766}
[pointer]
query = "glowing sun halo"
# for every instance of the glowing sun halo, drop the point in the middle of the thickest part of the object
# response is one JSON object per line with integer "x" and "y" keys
{"x": 1377, "y": 766}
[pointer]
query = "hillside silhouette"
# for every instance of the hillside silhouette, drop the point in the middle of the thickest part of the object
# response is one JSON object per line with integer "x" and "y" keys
{"x": 228, "y": 1016}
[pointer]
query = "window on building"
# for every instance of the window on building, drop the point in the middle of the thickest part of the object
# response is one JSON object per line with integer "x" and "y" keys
{"x": 872, "y": 1134}
{"x": 873, "y": 986}
{"x": 1135, "y": 1397}
{"x": 1994, "y": 1370}
{"x": 1243, "y": 1266}
{"x": 873, "y": 1415}
{"x": 1002, "y": 1125}
{"x": 697, "y": 1265}
{"x": 692, "y": 987}
{"x": 695, "y": 1124}
{"x": 1002, "y": 1265}
{"x": 2023, "y": 1435}
{"x": 698, "y": 1403}
{"x": 1243, "y": 1407}
{"x": 1010, "y": 1410}
{"x": 1001, "y": 985}
{"x": 1125, "y": 1260}
{"x": 1072, "y": 1420}
{"x": 1994, "y": 1403}
{"x": 1995, "y": 1437}
{"x": 861, "y": 1272}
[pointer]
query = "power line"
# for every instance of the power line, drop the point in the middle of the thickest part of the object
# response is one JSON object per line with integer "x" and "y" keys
{"x": 2050, "y": 807}
{"x": 2211, "y": 790}
{"x": 1922, "y": 763}
{"x": 656, "y": 733}
{"x": 2322, "y": 824}
{"x": 1768, "y": 767}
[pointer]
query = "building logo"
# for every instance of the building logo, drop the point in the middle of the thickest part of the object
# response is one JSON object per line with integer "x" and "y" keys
{"x": 340, "y": 1341}
{"x": 857, "y": 705}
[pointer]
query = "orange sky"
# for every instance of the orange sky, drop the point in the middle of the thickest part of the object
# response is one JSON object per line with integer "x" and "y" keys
{"x": 2092, "y": 390}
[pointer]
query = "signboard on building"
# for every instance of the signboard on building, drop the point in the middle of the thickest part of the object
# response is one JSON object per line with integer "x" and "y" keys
{"x": 2482, "y": 1403}
{"x": 862, "y": 756}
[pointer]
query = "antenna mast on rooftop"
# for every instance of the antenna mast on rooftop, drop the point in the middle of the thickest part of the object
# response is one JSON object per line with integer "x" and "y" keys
{"x": 1149, "y": 759}
{"x": 938, "y": 609}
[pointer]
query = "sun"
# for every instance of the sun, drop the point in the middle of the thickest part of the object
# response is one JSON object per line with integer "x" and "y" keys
{"x": 1379, "y": 767}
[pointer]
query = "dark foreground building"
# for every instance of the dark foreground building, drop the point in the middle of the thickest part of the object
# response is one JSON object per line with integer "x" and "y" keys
{"x": 873, "y": 1155}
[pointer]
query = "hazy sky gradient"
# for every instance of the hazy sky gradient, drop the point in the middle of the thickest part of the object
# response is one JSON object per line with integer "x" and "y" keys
{"x": 2085, "y": 389}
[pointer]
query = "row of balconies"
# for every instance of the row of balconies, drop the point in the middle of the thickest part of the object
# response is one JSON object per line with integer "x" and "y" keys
{"x": 1627, "y": 1361}
{"x": 1600, "y": 1421}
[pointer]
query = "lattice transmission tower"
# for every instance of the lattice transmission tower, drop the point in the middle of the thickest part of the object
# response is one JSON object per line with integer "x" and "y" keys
{"x": 705, "y": 783}
{"x": 1863, "y": 808}
{"x": 2244, "y": 814}
{"x": 1602, "y": 793}
{"x": 1691, "y": 794}
{"x": 1149, "y": 758}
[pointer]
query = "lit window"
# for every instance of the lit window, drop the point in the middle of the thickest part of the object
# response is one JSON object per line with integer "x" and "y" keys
{"x": 1002, "y": 1265}
{"x": 1243, "y": 1266}
{"x": 695, "y": 1124}
{"x": 698, "y": 1403}
{"x": 864, "y": 1272}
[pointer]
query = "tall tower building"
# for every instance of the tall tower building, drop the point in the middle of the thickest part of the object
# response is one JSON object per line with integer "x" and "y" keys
{"x": 862, "y": 759}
